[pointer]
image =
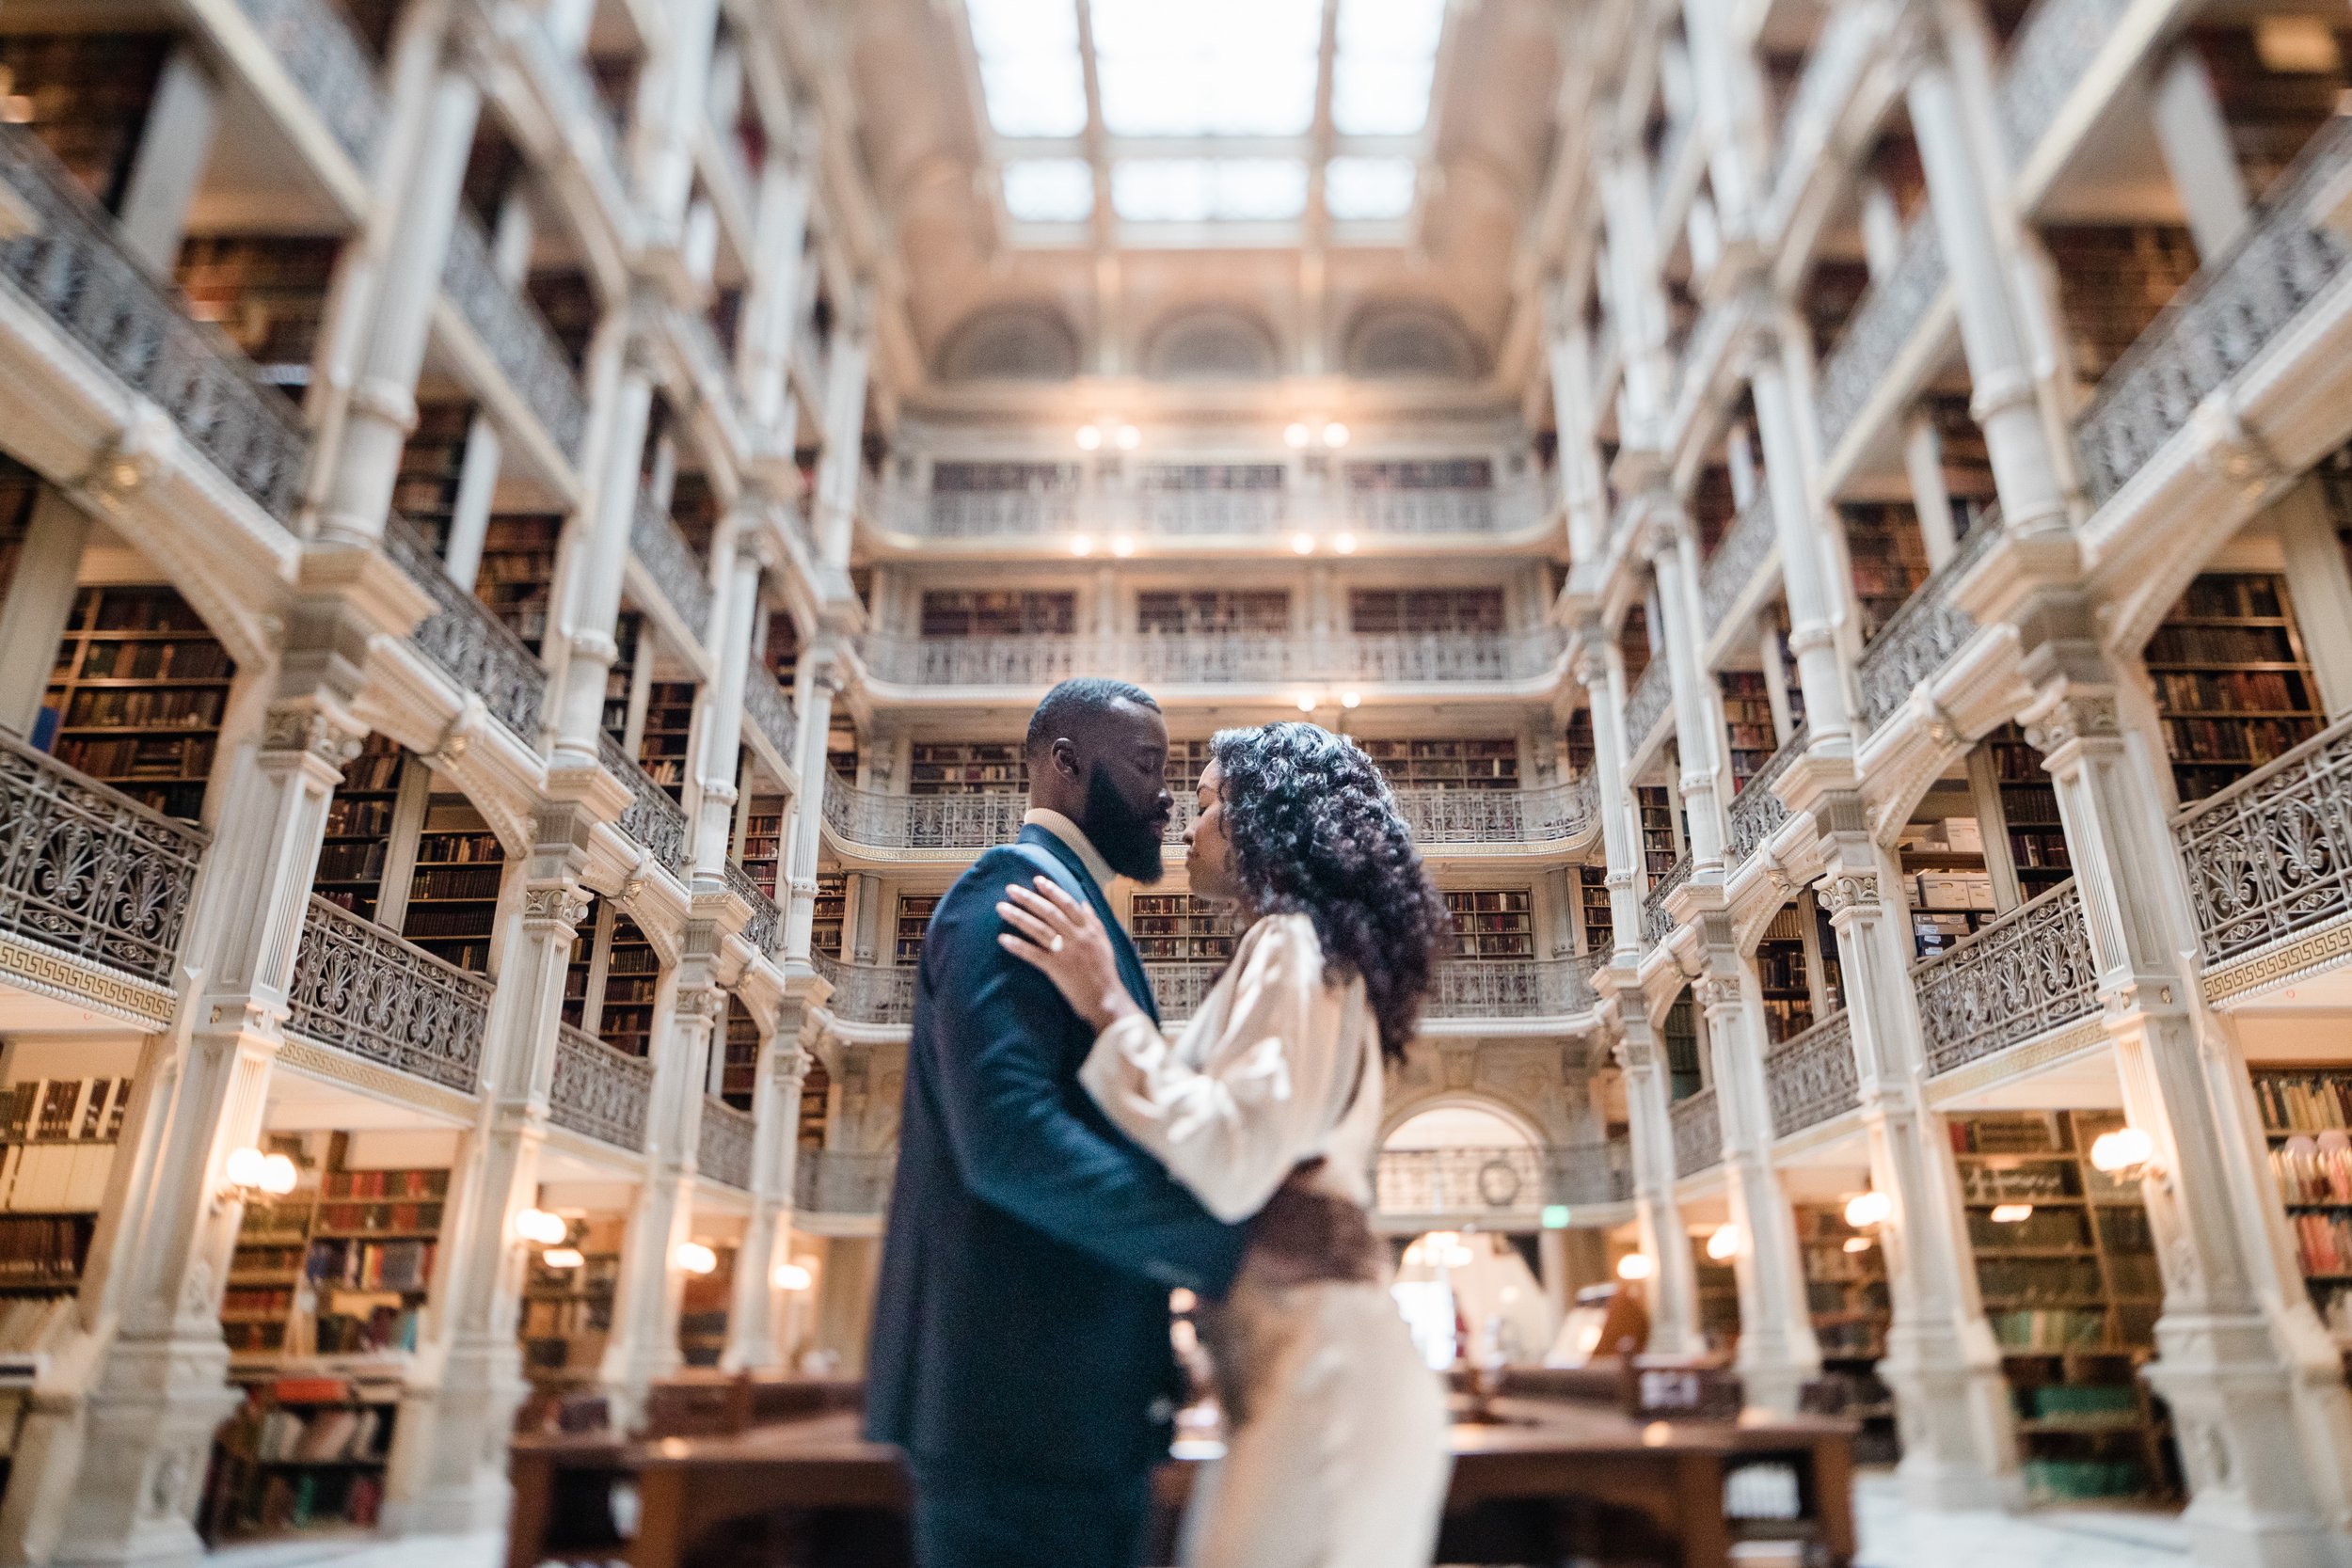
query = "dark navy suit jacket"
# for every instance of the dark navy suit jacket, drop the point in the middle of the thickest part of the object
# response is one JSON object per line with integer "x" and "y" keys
{"x": 1021, "y": 1327}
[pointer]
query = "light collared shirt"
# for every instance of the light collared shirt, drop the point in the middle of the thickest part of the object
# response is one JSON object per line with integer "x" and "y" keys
{"x": 1071, "y": 833}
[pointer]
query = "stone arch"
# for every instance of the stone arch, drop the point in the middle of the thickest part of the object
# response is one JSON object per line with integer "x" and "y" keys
{"x": 1398, "y": 1112}
{"x": 1409, "y": 343}
{"x": 1011, "y": 343}
{"x": 1211, "y": 342}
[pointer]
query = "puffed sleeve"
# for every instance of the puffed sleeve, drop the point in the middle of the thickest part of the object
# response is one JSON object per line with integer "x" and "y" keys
{"x": 1264, "y": 1094}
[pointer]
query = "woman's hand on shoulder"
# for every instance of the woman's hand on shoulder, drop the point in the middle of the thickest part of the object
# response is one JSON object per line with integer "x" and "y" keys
{"x": 1061, "y": 935}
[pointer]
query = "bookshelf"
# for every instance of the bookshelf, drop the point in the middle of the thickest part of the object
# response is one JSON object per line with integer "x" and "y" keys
{"x": 1747, "y": 723}
{"x": 1186, "y": 761}
{"x": 2307, "y": 1117}
{"x": 1492, "y": 923}
{"x": 662, "y": 749}
{"x": 701, "y": 1324}
{"x": 567, "y": 1313}
{"x": 1661, "y": 834}
{"x": 832, "y": 907}
{"x": 137, "y": 693}
{"x": 2112, "y": 280}
{"x": 301, "y": 1453}
{"x": 359, "y": 827}
{"x": 265, "y": 293}
{"x": 2029, "y": 808}
{"x": 1446, "y": 763}
{"x": 1680, "y": 1033}
{"x": 1781, "y": 974}
{"x": 1945, "y": 885}
{"x": 967, "y": 767}
{"x": 987, "y": 612}
{"x": 571, "y": 306}
{"x": 1846, "y": 1292}
{"x": 453, "y": 896}
{"x": 763, "y": 844}
{"x": 1577, "y": 742}
{"x": 621, "y": 677}
{"x": 1591, "y": 888}
{"x": 425, "y": 489}
{"x": 580, "y": 971}
{"x": 783, "y": 651}
{"x": 1888, "y": 557}
{"x": 1634, "y": 645}
{"x": 1423, "y": 612}
{"x": 88, "y": 94}
{"x": 2071, "y": 1291}
{"x": 1718, "y": 1300}
{"x": 1178, "y": 927}
{"x": 516, "y": 581}
{"x": 914, "y": 919}
{"x": 1214, "y": 611}
{"x": 2232, "y": 684}
{"x": 815, "y": 1098}
{"x": 370, "y": 1257}
{"x": 632, "y": 974}
{"x": 739, "y": 1066}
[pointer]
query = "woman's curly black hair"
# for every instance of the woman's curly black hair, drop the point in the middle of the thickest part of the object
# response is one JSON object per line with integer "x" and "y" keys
{"x": 1315, "y": 831}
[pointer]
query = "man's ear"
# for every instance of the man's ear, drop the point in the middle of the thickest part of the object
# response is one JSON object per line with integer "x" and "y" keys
{"x": 1065, "y": 754}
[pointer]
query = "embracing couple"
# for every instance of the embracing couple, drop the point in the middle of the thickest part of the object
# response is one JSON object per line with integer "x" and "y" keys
{"x": 1064, "y": 1166}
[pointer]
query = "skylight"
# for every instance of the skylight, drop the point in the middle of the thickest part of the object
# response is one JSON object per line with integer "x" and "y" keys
{"x": 1049, "y": 190}
{"x": 1362, "y": 190}
{"x": 1385, "y": 66}
{"x": 1029, "y": 70}
{"x": 1202, "y": 190}
{"x": 1208, "y": 67}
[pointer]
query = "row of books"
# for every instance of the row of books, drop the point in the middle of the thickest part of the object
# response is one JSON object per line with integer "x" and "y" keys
{"x": 2252, "y": 741}
{"x": 2174, "y": 644}
{"x": 2308, "y": 1172}
{"x": 352, "y": 862}
{"x": 381, "y": 1329}
{"x": 400, "y": 1265}
{"x": 454, "y": 881}
{"x": 43, "y": 1249}
{"x": 459, "y": 850}
{"x": 2028, "y": 1184}
{"x": 2065, "y": 1227}
{"x": 337, "y": 1432}
{"x": 2051, "y": 1328}
{"x": 197, "y": 659}
{"x": 144, "y": 707}
{"x": 135, "y": 609}
{"x": 425, "y": 922}
{"x": 379, "y": 1216}
{"x": 2038, "y": 1281}
{"x": 429, "y": 1182}
{"x": 183, "y": 758}
{"x": 2323, "y": 1243}
{"x": 50, "y": 1110}
{"x": 2304, "y": 1103}
{"x": 2232, "y": 691}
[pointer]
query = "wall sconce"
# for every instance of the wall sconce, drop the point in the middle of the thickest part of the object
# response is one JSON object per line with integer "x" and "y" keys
{"x": 1089, "y": 437}
{"x": 694, "y": 1257}
{"x": 1343, "y": 544}
{"x": 1865, "y": 1210}
{"x": 2127, "y": 1154}
{"x": 1124, "y": 547}
{"x": 541, "y": 1229}
{"x": 1723, "y": 1245}
{"x": 1128, "y": 437}
{"x": 2012, "y": 1213}
{"x": 1335, "y": 435}
{"x": 248, "y": 1173}
{"x": 1297, "y": 437}
{"x": 562, "y": 1257}
{"x": 791, "y": 1276}
{"x": 1634, "y": 1267}
{"x": 1081, "y": 545}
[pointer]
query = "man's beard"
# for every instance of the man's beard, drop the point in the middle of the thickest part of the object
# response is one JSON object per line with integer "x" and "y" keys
{"x": 1128, "y": 840}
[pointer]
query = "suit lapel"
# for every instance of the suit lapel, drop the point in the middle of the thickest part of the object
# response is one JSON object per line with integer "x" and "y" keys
{"x": 1130, "y": 966}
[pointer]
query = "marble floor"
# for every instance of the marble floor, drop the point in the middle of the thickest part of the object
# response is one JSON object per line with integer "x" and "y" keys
{"x": 1893, "y": 1536}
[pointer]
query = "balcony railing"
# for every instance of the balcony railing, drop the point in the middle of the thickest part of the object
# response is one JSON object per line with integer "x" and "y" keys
{"x": 1889, "y": 313}
{"x": 651, "y": 817}
{"x": 600, "y": 1092}
{"x": 1016, "y": 661}
{"x": 772, "y": 712}
{"x": 766, "y": 923}
{"x": 2225, "y": 316}
{"x": 1811, "y": 1077}
{"x": 1439, "y": 659}
{"x": 869, "y": 817}
{"x": 323, "y": 56}
{"x": 469, "y": 644}
{"x": 1923, "y": 635}
{"x": 72, "y": 269}
{"x": 1756, "y": 813}
{"x": 2271, "y": 855}
{"x": 2023, "y": 976}
{"x": 1648, "y": 703}
{"x": 835, "y": 1181}
{"x": 515, "y": 336}
{"x": 1223, "y": 659}
{"x": 868, "y": 993}
{"x": 1698, "y": 1133}
{"x": 1445, "y": 655}
{"x": 1179, "y": 514}
{"x": 1513, "y": 988}
{"x": 1465, "y": 510}
{"x": 89, "y": 872}
{"x": 1657, "y": 921}
{"x": 676, "y": 571}
{"x": 725, "y": 1153}
{"x": 2053, "y": 52}
{"x": 985, "y": 513}
{"x": 1474, "y": 1182}
{"x": 1737, "y": 560}
{"x": 362, "y": 990}
{"x": 1553, "y": 815}
{"x": 1182, "y": 513}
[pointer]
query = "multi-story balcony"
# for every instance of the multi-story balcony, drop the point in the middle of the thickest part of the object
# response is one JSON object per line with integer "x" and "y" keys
{"x": 600, "y": 1092}
{"x": 836, "y": 1189}
{"x": 2022, "y": 977}
{"x": 724, "y": 1152}
{"x": 368, "y": 993}
{"x": 926, "y": 667}
{"x": 2269, "y": 864}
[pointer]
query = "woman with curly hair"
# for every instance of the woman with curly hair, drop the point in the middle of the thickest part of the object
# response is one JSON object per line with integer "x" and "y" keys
{"x": 1267, "y": 1107}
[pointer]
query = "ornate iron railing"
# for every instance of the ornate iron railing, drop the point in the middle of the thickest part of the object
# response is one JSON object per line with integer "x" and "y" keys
{"x": 2227, "y": 314}
{"x": 326, "y": 59}
{"x": 1467, "y": 510}
{"x": 725, "y": 1151}
{"x": 1698, "y": 1132}
{"x": 469, "y": 644}
{"x": 1179, "y": 987}
{"x": 676, "y": 571}
{"x": 1889, "y": 313}
{"x": 600, "y": 1092}
{"x": 1041, "y": 661}
{"x": 2053, "y": 50}
{"x": 88, "y": 871}
{"x": 1184, "y": 514}
{"x": 766, "y": 923}
{"x": 362, "y": 990}
{"x": 835, "y": 1181}
{"x": 651, "y": 818}
{"x": 867, "y": 993}
{"x": 1017, "y": 661}
{"x": 1657, "y": 921}
{"x": 1548, "y": 816}
{"x": 1440, "y": 657}
{"x": 1513, "y": 988}
{"x": 2272, "y": 854}
{"x": 772, "y": 712}
{"x": 1923, "y": 635}
{"x": 2023, "y": 976}
{"x": 1756, "y": 813}
{"x": 991, "y": 513}
{"x": 1224, "y": 659}
{"x": 72, "y": 269}
{"x": 1811, "y": 1077}
{"x": 1737, "y": 560}
{"x": 1648, "y": 703}
{"x": 884, "y": 821}
{"x": 515, "y": 336}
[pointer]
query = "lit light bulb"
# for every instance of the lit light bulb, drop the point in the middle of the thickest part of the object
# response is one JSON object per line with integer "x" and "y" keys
{"x": 1335, "y": 435}
{"x": 538, "y": 1226}
{"x": 1306, "y": 701}
{"x": 1351, "y": 698}
{"x": 244, "y": 1168}
{"x": 279, "y": 1174}
{"x": 1297, "y": 437}
{"x": 1089, "y": 437}
{"x": 791, "y": 1276}
{"x": 2012, "y": 1213}
{"x": 1857, "y": 1244}
{"x": 1636, "y": 1266}
{"x": 1080, "y": 544}
{"x": 1343, "y": 544}
{"x": 1303, "y": 543}
{"x": 694, "y": 1257}
{"x": 1725, "y": 1244}
{"x": 1123, "y": 546}
{"x": 1129, "y": 437}
{"x": 2123, "y": 1149}
{"x": 1865, "y": 1210}
{"x": 562, "y": 1257}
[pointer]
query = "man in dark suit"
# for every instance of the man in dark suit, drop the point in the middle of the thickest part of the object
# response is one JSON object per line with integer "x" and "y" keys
{"x": 1019, "y": 1353}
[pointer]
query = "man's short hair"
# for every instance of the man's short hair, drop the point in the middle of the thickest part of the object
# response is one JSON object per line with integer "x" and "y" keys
{"x": 1075, "y": 704}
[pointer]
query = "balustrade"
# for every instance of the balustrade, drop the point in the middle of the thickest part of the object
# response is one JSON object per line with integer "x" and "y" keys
{"x": 600, "y": 1092}
{"x": 1811, "y": 1077}
{"x": 1453, "y": 510}
{"x": 89, "y": 872}
{"x": 881, "y": 821}
{"x": 2023, "y": 976}
{"x": 867, "y": 993}
{"x": 837, "y": 1181}
{"x": 1513, "y": 988}
{"x": 1648, "y": 703}
{"x": 515, "y": 335}
{"x": 1438, "y": 658}
{"x": 71, "y": 267}
{"x": 1553, "y": 815}
{"x": 1889, "y": 313}
{"x": 1188, "y": 658}
{"x": 469, "y": 644}
{"x": 1737, "y": 560}
{"x": 723, "y": 1153}
{"x": 2053, "y": 51}
{"x": 1179, "y": 987}
{"x": 2222, "y": 317}
{"x": 362, "y": 990}
{"x": 991, "y": 514}
{"x": 678, "y": 574}
{"x": 326, "y": 61}
{"x": 765, "y": 924}
{"x": 1658, "y": 921}
{"x": 1698, "y": 1132}
{"x": 1016, "y": 661}
{"x": 1756, "y": 813}
{"x": 652, "y": 819}
{"x": 2271, "y": 855}
{"x": 1444, "y": 656}
{"x": 1923, "y": 635}
{"x": 1182, "y": 513}
{"x": 772, "y": 713}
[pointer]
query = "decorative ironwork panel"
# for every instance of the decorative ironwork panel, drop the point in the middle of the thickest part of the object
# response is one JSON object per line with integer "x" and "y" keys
{"x": 1657, "y": 921}
{"x": 1648, "y": 703}
{"x": 835, "y": 1181}
{"x": 1017, "y": 661}
{"x": 469, "y": 644}
{"x": 867, "y": 993}
{"x": 2272, "y": 854}
{"x": 328, "y": 61}
{"x": 766, "y": 923}
{"x": 1736, "y": 562}
{"x": 884, "y": 821}
{"x": 1698, "y": 1132}
{"x": 724, "y": 1151}
{"x": 651, "y": 817}
{"x": 600, "y": 1092}
{"x": 1923, "y": 635}
{"x": 90, "y": 872}
{"x": 2053, "y": 51}
{"x": 676, "y": 571}
{"x": 1889, "y": 313}
{"x": 1195, "y": 512}
{"x": 1484, "y": 510}
{"x": 1812, "y": 1076}
{"x": 1224, "y": 659}
{"x": 362, "y": 990}
{"x": 2023, "y": 976}
{"x": 1756, "y": 813}
{"x": 1513, "y": 988}
{"x": 770, "y": 708}
{"x": 995, "y": 513}
{"x": 2219, "y": 321}
{"x": 1547, "y": 815}
{"x": 72, "y": 269}
{"x": 515, "y": 335}
{"x": 1179, "y": 987}
{"x": 1442, "y": 657}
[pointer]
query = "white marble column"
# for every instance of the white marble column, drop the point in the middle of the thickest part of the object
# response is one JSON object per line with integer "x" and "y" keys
{"x": 2194, "y": 138}
{"x": 748, "y": 555}
{"x": 754, "y": 1317}
{"x": 601, "y": 562}
{"x": 846, "y": 366}
{"x": 765, "y": 349}
{"x": 1582, "y": 490}
{"x": 40, "y": 602}
{"x": 1697, "y": 704}
{"x": 821, "y": 679}
{"x": 174, "y": 147}
{"x": 1804, "y": 558}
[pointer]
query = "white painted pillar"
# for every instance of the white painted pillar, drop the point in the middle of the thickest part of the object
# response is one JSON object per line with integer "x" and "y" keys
{"x": 756, "y": 1316}
{"x": 1803, "y": 552}
{"x": 1923, "y": 464}
{"x": 602, "y": 560}
{"x": 39, "y": 603}
{"x": 1698, "y": 723}
{"x": 746, "y": 547}
{"x": 821, "y": 680}
{"x": 168, "y": 168}
{"x": 2194, "y": 138}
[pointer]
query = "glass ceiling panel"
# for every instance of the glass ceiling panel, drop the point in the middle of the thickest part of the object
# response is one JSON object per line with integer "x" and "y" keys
{"x": 1366, "y": 190}
{"x": 1385, "y": 64}
{"x": 1029, "y": 70}
{"x": 1049, "y": 190}
{"x": 1207, "y": 67}
{"x": 1202, "y": 190}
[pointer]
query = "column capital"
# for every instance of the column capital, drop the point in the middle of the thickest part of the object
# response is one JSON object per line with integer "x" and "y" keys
{"x": 312, "y": 726}
{"x": 1716, "y": 993}
{"x": 563, "y": 903}
{"x": 1843, "y": 891}
{"x": 2070, "y": 718}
